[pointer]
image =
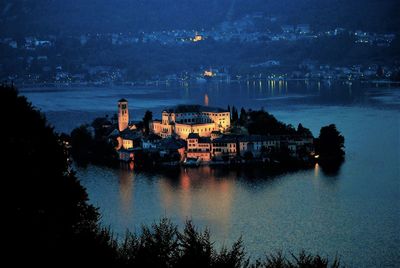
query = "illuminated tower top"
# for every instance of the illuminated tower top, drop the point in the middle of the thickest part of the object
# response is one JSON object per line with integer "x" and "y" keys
{"x": 123, "y": 114}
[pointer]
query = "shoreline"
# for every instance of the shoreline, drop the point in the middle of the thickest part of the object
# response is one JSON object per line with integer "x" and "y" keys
{"x": 166, "y": 82}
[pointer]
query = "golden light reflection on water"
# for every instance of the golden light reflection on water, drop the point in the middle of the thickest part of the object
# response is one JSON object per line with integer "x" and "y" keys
{"x": 206, "y": 100}
{"x": 316, "y": 171}
{"x": 126, "y": 181}
{"x": 200, "y": 192}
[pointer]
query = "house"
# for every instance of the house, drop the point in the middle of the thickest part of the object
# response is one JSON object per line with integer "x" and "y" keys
{"x": 129, "y": 139}
{"x": 151, "y": 141}
{"x": 169, "y": 147}
{"x": 256, "y": 144}
{"x": 224, "y": 146}
{"x": 198, "y": 147}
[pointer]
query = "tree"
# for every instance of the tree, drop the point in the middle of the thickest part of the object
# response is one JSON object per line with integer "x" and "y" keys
{"x": 148, "y": 116}
{"x": 82, "y": 144}
{"x": 243, "y": 117}
{"x": 330, "y": 143}
{"x": 99, "y": 124}
{"x": 330, "y": 148}
{"x": 88, "y": 149}
{"x": 48, "y": 212}
{"x": 235, "y": 115}
{"x": 302, "y": 131}
{"x": 263, "y": 123}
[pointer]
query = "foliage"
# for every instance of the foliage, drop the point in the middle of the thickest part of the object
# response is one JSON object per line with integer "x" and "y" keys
{"x": 100, "y": 126}
{"x": 302, "y": 260}
{"x": 304, "y": 132}
{"x": 262, "y": 123}
{"x": 82, "y": 143}
{"x": 330, "y": 143}
{"x": 163, "y": 245}
{"x": 235, "y": 115}
{"x": 148, "y": 116}
{"x": 330, "y": 147}
{"x": 88, "y": 148}
{"x": 48, "y": 213}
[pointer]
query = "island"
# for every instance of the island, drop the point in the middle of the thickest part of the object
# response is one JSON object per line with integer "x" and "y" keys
{"x": 194, "y": 135}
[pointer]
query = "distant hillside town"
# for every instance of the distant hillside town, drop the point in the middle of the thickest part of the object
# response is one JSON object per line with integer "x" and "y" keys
{"x": 255, "y": 46}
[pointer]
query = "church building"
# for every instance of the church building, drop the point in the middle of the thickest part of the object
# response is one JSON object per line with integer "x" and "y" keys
{"x": 182, "y": 120}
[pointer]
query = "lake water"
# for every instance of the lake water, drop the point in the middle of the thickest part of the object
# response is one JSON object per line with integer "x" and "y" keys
{"x": 354, "y": 214}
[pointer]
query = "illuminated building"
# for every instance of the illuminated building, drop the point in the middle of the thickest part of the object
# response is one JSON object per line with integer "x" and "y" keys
{"x": 123, "y": 115}
{"x": 224, "y": 146}
{"x": 197, "y": 38}
{"x": 198, "y": 147}
{"x": 208, "y": 73}
{"x": 185, "y": 119}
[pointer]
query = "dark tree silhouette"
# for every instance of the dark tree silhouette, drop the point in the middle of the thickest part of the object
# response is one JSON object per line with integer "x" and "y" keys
{"x": 262, "y": 123}
{"x": 330, "y": 143}
{"x": 302, "y": 131}
{"x": 235, "y": 115}
{"x": 330, "y": 148}
{"x": 82, "y": 143}
{"x": 242, "y": 117}
{"x": 100, "y": 126}
{"x": 49, "y": 216}
{"x": 88, "y": 148}
{"x": 148, "y": 116}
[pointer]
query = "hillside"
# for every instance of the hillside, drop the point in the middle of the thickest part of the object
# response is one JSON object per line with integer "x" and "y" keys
{"x": 58, "y": 16}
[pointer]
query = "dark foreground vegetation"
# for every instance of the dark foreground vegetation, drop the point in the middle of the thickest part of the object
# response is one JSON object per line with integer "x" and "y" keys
{"x": 50, "y": 222}
{"x": 91, "y": 149}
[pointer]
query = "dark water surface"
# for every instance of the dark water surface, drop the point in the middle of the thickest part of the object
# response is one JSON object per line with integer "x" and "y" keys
{"x": 354, "y": 213}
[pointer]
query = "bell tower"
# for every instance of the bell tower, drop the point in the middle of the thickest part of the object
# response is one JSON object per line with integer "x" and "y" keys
{"x": 123, "y": 115}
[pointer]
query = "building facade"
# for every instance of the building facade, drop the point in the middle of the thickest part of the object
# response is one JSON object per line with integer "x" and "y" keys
{"x": 185, "y": 119}
{"x": 123, "y": 115}
{"x": 198, "y": 147}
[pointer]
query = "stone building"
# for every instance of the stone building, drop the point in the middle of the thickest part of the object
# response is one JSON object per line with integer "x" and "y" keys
{"x": 185, "y": 119}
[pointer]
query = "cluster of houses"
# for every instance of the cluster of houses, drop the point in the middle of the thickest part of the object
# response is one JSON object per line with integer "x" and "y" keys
{"x": 200, "y": 134}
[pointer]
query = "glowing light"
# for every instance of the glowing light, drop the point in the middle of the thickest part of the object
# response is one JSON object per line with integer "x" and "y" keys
{"x": 316, "y": 156}
{"x": 316, "y": 170}
{"x": 206, "y": 100}
{"x": 198, "y": 38}
{"x": 208, "y": 73}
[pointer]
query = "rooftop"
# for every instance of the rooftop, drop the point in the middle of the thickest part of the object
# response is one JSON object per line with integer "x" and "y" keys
{"x": 193, "y": 109}
{"x": 128, "y": 134}
{"x": 172, "y": 144}
{"x": 200, "y": 139}
{"x": 193, "y": 136}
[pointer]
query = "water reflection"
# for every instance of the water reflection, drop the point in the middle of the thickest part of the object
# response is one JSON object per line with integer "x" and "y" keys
{"x": 126, "y": 184}
{"x": 203, "y": 192}
{"x": 206, "y": 100}
{"x": 316, "y": 171}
